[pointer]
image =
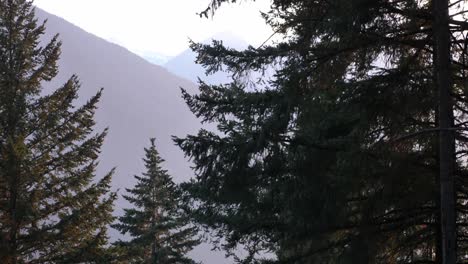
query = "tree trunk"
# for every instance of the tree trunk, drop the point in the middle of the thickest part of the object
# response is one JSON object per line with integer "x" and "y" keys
{"x": 442, "y": 71}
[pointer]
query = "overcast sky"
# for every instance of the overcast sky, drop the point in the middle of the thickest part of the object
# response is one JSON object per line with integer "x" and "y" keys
{"x": 162, "y": 26}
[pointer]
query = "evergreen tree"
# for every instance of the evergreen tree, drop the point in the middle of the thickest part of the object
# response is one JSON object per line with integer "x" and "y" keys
{"x": 336, "y": 159}
{"x": 52, "y": 208}
{"x": 159, "y": 229}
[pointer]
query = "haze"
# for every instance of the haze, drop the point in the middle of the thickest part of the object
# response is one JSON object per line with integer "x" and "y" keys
{"x": 142, "y": 26}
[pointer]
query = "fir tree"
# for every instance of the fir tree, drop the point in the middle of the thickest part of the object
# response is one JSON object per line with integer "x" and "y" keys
{"x": 337, "y": 158}
{"x": 158, "y": 227}
{"x": 52, "y": 207}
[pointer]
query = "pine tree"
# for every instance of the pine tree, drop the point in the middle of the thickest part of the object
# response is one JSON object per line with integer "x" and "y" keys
{"x": 158, "y": 227}
{"x": 336, "y": 159}
{"x": 52, "y": 207}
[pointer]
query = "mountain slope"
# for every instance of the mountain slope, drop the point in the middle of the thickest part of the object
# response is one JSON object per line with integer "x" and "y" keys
{"x": 140, "y": 100}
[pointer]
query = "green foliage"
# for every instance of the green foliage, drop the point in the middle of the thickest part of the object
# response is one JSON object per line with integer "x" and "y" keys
{"x": 52, "y": 207}
{"x": 334, "y": 159}
{"x": 160, "y": 231}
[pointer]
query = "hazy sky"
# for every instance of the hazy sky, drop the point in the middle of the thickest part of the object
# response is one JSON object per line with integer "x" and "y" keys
{"x": 162, "y": 26}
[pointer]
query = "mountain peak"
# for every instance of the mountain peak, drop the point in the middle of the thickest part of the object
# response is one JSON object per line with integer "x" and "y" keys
{"x": 184, "y": 64}
{"x": 230, "y": 39}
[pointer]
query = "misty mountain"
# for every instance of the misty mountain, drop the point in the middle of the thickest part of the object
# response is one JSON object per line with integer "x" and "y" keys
{"x": 184, "y": 64}
{"x": 154, "y": 57}
{"x": 140, "y": 100}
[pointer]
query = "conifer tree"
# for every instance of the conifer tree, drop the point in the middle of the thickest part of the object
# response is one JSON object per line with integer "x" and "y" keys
{"x": 337, "y": 159}
{"x": 159, "y": 229}
{"x": 52, "y": 207}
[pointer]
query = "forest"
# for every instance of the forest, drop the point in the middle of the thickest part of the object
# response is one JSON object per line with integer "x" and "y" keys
{"x": 343, "y": 141}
